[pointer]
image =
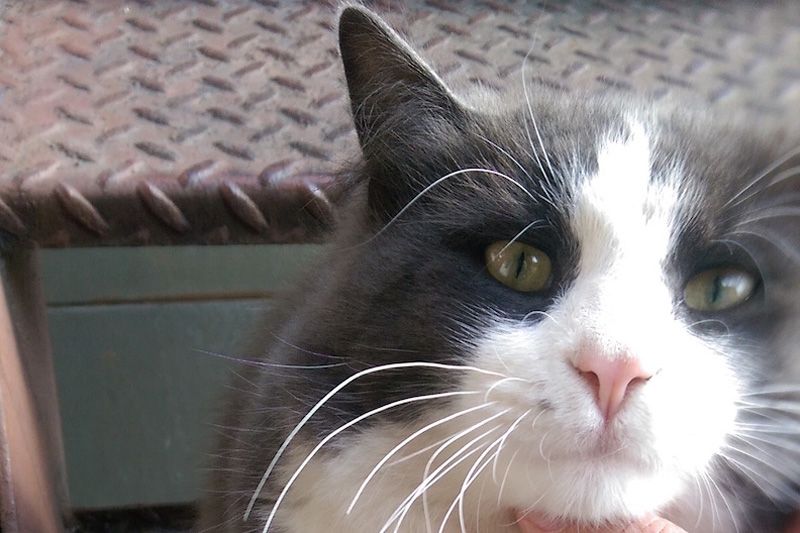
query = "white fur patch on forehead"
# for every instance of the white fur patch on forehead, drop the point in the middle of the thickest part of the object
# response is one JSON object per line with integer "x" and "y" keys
{"x": 622, "y": 208}
{"x": 624, "y": 220}
{"x": 623, "y": 173}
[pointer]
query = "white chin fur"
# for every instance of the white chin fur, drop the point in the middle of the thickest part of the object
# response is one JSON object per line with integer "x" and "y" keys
{"x": 665, "y": 434}
{"x": 589, "y": 492}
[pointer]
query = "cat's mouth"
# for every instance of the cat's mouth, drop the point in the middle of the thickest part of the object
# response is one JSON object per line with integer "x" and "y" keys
{"x": 608, "y": 443}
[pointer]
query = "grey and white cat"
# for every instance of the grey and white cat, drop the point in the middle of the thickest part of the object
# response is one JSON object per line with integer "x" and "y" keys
{"x": 575, "y": 305}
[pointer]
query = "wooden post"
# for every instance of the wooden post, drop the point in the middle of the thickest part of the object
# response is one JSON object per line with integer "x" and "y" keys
{"x": 33, "y": 495}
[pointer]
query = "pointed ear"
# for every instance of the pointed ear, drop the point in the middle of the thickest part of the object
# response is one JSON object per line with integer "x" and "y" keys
{"x": 390, "y": 85}
{"x": 403, "y": 111}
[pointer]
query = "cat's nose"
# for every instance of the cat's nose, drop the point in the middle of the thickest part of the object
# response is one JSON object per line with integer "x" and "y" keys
{"x": 610, "y": 379}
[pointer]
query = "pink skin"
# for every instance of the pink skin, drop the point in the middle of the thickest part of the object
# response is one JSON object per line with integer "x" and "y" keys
{"x": 533, "y": 523}
{"x": 650, "y": 524}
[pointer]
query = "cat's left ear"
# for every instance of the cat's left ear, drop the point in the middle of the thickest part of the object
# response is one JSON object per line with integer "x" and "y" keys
{"x": 393, "y": 92}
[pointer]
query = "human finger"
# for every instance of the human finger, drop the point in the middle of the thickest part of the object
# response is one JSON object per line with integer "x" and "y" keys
{"x": 533, "y": 523}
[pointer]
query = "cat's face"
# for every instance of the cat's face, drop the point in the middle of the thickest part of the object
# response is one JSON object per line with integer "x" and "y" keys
{"x": 632, "y": 367}
{"x": 618, "y": 323}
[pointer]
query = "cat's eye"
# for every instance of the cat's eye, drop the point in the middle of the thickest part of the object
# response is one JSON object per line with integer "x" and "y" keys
{"x": 520, "y": 266}
{"x": 717, "y": 289}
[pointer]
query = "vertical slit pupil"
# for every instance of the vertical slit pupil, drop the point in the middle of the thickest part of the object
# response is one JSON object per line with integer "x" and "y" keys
{"x": 716, "y": 288}
{"x": 520, "y": 264}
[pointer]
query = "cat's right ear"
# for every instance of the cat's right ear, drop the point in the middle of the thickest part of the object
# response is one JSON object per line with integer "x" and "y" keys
{"x": 400, "y": 106}
{"x": 386, "y": 77}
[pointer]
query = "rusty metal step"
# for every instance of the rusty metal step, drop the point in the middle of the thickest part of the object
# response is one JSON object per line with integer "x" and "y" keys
{"x": 157, "y": 122}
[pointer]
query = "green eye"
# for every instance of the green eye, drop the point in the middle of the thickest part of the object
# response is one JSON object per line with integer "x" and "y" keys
{"x": 718, "y": 288}
{"x": 520, "y": 266}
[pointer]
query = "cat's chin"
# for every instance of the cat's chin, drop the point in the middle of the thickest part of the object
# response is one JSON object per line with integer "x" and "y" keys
{"x": 594, "y": 492}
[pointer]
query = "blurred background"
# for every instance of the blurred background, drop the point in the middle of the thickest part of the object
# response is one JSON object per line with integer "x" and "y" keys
{"x": 138, "y": 382}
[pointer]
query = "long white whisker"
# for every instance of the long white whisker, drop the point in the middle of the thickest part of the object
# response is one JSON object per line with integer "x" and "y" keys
{"x": 715, "y": 515}
{"x": 790, "y": 445}
{"x": 492, "y": 459}
{"x": 755, "y": 457}
{"x": 725, "y": 503}
{"x": 710, "y": 321}
{"x": 505, "y": 476}
{"x": 788, "y": 406}
{"x": 765, "y": 429}
{"x": 441, "y": 471}
{"x": 530, "y": 113}
{"x": 548, "y": 197}
{"x": 342, "y": 428}
{"x": 547, "y": 459}
{"x": 751, "y": 472}
{"x": 419, "y": 452}
{"x": 498, "y": 383}
{"x": 439, "y": 474}
{"x": 403, "y": 443}
{"x": 530, "y": 508}
{"x": 478, "y": 506}
{"x": 329, "y": 395}
{"x": 472, "y": 474}
{"x": 503, "y": 442}
{"x": 423, "y": 487}
{"x": 525, "y": 122}
{"x": 700, "y": 506}
{"x": 502, "y": 362}
{"x": 518, "y": 235}
{"x": 304, "y": 350}
{"x": 775, "y": 212}
{"x": 769, "y": 414}
{"x": 508, "y": 155}
{"x": 769, "y": 170}
{"x": 266, "y": 364}
{"x": 546, "y": 315}
{"x": 533, "y": 120}
{"x": 427, "y": 189}
{"x": 778, "y": 388}
{"x": 780, "y": 244}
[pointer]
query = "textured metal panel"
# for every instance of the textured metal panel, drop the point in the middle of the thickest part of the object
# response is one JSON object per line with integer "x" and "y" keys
{"x": 220, "y": 121}
{"x": 171, "y": 273}
{"x": 136, "y": 396}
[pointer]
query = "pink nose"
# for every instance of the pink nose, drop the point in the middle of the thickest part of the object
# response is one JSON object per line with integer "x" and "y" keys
{"x": 610, "y": 379}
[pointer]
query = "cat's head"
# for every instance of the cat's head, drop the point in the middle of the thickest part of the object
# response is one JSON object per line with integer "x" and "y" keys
{"x": 624, "y": 280}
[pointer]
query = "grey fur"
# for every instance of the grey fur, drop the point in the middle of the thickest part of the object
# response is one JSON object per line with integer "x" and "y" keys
{"x": 416, "y": 289}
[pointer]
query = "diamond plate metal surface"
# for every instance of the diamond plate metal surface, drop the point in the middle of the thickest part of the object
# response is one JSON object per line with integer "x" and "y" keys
{"x": 222, "y": 121}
